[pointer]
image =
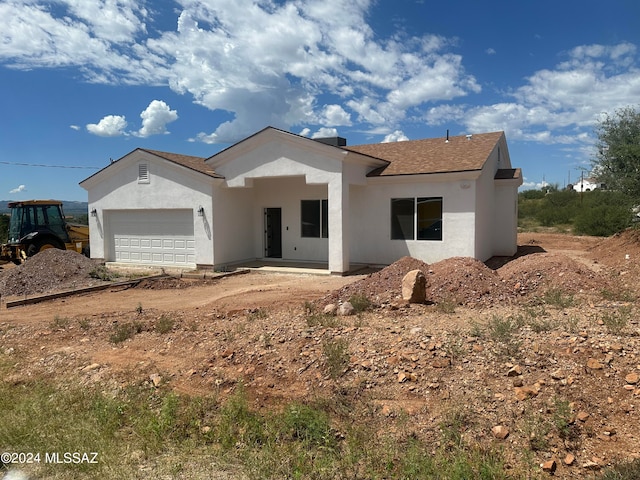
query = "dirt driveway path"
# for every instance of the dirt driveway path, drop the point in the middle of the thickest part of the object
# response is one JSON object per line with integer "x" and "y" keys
{"x": 236, "y": 292}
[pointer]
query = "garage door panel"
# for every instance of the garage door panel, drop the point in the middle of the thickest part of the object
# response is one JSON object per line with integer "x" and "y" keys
{"x": 162, "y": 237}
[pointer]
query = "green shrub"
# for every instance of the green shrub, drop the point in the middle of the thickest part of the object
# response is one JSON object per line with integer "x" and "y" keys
{"x": 59, "y": 323}
{"x": 501, "y": 331}
{"x": 164, "y": 324}
{"x": 616, "y": 321}
{"x": 602, "y": 220}
{"x": 323, "y": 320}
{"x": 360, "y": 302}
{"x": 622, "y": 471}
{"x": 103, "y": 273}
{"x": 557, "y": 298}
{"x": 336, "y": 353}
{"x": 124, "y": 331}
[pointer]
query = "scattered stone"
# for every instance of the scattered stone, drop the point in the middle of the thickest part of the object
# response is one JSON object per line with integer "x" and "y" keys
{"x": 523, "y": 393}
{"x": 441, "y": 362}
{"x": 569, "y": 459}
{"x": 156, "y": 379}
{"x": 402, "y": 377}
{"x": 346, "y": 309}
{"x": 386, "y": 410}
{"x": 591, "y": 465}
{"x": 549, "y": 466}
{"x": 93, "y": 366}
{"x": 632, "y": 378}
{"x": 330, "y": 309}
{"x": 514, "y": 371}
{"x": 500, "y": 432}
{"x": 582, "y": 416}
{"x": 414, "y": 286}
{"x": 594, "y": 364}
{"x": 557, "y": 375}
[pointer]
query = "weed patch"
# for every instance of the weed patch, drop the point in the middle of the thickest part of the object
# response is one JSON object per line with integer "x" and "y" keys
{"x": 616, "y": 321}
{"x": 336, "y": 353}
{"x": 125, "y": 331}
{"x": 360, "y": 303}
{"x": 164, "y": 324}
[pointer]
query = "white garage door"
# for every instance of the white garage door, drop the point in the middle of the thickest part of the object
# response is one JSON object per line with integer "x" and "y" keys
{"x": 152, "y": 237}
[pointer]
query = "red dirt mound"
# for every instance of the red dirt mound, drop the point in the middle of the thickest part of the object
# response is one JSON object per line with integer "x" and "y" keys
{"x": 530, "y": 273}
{"x": 462, "y": 280}
{"x": 621, "y": 250}
{"x": 466, "y": 281}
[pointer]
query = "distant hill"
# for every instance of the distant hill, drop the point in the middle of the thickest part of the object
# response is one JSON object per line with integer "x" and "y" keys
{"x": 71, "y": 208}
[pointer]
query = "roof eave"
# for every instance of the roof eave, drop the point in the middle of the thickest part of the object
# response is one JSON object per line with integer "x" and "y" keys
{"x": 452, "y": 176}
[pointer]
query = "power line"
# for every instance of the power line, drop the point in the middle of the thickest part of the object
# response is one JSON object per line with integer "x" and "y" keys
{"x": 48, "y": 166}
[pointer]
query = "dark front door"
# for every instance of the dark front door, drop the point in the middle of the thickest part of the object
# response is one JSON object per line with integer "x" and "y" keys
{"x": 273, "y": 232}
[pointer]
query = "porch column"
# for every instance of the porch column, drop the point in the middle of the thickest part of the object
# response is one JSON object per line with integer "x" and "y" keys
{"x": 338, "y": 225}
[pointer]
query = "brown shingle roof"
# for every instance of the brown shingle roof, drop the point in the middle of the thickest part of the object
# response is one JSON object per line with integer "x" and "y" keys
{"x": 432, "y": 155}
{"x": 193, "y": 163}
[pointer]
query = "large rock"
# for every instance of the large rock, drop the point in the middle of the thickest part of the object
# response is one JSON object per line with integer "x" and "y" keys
{"x": 414, "y": 287}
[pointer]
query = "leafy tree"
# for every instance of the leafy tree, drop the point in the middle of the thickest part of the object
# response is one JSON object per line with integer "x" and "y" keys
{"x": 617, "y": 160}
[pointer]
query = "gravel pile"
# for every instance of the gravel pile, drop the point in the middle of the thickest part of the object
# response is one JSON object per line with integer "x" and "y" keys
{"x": 49, "y": 270}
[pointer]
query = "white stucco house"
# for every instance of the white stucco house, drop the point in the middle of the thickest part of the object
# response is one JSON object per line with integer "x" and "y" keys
{"x": 280, "y": 195}
{"x": 588, "y": 185}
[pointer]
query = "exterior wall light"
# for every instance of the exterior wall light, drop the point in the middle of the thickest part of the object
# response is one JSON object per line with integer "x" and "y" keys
{"x": 201, "y": 211}
{"x": 94, "y": 212}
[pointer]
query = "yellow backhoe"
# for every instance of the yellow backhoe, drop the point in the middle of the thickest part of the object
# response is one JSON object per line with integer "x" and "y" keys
{"x": 37, "y": 225}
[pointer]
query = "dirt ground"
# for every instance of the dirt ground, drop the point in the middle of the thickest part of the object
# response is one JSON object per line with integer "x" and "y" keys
{"x": 417, "y": 360}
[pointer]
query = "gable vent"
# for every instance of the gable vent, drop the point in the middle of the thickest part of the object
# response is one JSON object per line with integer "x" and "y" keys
{"x": 143, "y": 173}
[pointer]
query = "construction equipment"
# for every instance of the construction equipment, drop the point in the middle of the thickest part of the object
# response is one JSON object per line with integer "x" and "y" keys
{"x": 37, "y": 225}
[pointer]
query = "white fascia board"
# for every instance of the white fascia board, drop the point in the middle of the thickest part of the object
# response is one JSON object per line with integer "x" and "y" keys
{"x": 507, "y": 182}
{"x": 469, "y": 175}
{"x": 268, "y": 136}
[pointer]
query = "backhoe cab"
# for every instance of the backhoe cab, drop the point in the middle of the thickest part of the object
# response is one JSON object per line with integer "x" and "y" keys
{"x": 37, "y": 225}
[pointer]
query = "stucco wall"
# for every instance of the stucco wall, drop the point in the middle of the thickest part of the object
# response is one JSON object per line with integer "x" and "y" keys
{"x": 484, "y": 221}
{"x": 371, "y": 221}
{"x": 505, "y": 241}
{"x": 169, "y": 187}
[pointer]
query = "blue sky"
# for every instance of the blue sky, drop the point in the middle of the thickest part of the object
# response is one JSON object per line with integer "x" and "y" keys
{"x": 84, "y": 81}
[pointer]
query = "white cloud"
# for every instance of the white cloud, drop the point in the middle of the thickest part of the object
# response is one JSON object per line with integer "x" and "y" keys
{"x": 101, "y": 37}
{"x": 20, "y": 188}
{"x": 109, "y": 126}
{"x": 528, "y": 185}
{"x": 154, "y": 122}
{"x": 75, "y": 127}
{"x": 325, "y": 132}
{"x": 561, "y": 105}
{"x": 336, "y": 115}
{"x": 397, "y": 136}
{"x": 310, "y": 63}
{"x": 155, "y": 119}
{"x": 271, "y": 75}
{"x": 113, "y": 20}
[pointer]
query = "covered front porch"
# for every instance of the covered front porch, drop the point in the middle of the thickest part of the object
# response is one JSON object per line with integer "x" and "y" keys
{"x": 281, "y": 222}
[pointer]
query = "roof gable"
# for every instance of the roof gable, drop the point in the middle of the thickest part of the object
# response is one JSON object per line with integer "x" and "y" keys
{"x": 432, "y": 155}
{"x": 193, "y": 163}
{"x": 281, "y": 137}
